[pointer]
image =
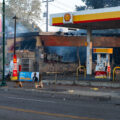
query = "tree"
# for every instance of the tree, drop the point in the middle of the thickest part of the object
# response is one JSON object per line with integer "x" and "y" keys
{"x": 79, "y": 8}
{"x": 28, "y": 10}
{"x": 94, "y": 4}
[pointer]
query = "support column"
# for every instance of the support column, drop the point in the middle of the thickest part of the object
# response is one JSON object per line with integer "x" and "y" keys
{"x": 89, "y": 52}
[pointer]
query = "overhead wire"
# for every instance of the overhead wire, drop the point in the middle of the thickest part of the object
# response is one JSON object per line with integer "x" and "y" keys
{"x": 58, "y": 7}
{"x": 63, "y": 4}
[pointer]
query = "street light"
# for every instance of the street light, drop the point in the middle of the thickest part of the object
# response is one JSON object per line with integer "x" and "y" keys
{"x": 15, "y": 75}
{"x": 15, "y": 18}
{"x": 3, "y": 32}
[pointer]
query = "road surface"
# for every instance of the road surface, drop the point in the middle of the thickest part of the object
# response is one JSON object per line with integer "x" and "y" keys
{"x": 32, "y": 105}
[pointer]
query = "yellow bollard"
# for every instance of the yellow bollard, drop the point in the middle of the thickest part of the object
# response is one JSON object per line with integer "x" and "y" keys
{"x": 114, "y": 72}
{"x": 77, "y": 71}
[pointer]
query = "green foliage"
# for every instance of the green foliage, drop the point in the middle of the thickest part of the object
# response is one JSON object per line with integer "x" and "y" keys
{"x": 94, "y": 4}
{"x": 78, "y": 8}
{"x": 28, "y": 11}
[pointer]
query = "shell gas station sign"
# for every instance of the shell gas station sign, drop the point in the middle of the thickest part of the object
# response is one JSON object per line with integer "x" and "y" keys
{"x": 68, "y": 18}
{"x": 103, "y": 18}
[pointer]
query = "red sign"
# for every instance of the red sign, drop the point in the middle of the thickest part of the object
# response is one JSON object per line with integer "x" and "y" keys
{"x": 100, "y": 73}
{"x": 15, "y": 66}
{"x": 14, "y": 59}
{"x": 14, "y": 73}
{"x": 108, "y": 69}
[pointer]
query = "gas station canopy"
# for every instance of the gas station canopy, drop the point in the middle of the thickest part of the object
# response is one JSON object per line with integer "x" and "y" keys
{"x": 106, "y": 18}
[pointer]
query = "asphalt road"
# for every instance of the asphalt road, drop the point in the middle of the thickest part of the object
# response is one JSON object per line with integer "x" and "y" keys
{"x": 31, "y": 105}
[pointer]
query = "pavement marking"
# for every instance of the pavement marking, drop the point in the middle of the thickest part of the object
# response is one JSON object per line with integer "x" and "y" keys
{"x": 48, "y": 114}
{"x": 95, "y": 89}
{"x": 35, "y": 100}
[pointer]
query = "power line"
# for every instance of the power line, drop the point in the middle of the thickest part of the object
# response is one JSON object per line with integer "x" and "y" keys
{"x": 60, "y": 7}
{"x": 63, "y": 4}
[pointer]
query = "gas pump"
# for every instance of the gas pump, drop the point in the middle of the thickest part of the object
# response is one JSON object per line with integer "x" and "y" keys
{"x": 103, "y": 68}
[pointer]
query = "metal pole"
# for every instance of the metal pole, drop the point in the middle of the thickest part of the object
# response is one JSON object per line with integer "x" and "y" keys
{"x": 15, "y": 37}
{"x": 47, "y": 16}
{"x": 3, "y": 31}
{"x": 15, "y": 34}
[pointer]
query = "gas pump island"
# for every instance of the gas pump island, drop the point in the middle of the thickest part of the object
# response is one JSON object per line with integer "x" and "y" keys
{"x": 103, "y": 67}
{"x": 96, "y": 19}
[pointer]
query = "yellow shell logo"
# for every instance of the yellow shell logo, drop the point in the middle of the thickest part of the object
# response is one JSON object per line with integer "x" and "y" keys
{"x": 67, "y": 17}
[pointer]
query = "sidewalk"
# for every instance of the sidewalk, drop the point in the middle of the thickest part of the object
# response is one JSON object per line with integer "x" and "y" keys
{"x": 86, "y": 90}
{"x": 90, "y": 83}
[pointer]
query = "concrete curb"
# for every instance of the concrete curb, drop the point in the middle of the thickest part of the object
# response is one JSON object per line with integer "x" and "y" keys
{"x": 85, "y": 83}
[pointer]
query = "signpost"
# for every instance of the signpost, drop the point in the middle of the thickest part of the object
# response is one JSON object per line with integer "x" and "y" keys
{"x": 3, "y": 31}
{"x": 15, "y": 72}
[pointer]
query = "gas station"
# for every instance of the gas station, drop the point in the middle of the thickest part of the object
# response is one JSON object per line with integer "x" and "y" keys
{"x": 96, "y": 19}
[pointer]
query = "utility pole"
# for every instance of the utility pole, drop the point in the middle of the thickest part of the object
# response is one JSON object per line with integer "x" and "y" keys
{"x": 3, "y": 33}
{"x": 47, "y": 1}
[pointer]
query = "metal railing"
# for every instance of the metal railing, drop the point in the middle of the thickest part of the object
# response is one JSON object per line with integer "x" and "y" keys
{"x": 55, "y": 73}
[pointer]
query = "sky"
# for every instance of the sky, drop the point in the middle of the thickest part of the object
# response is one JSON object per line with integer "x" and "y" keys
{"x": 58, "y": 6}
